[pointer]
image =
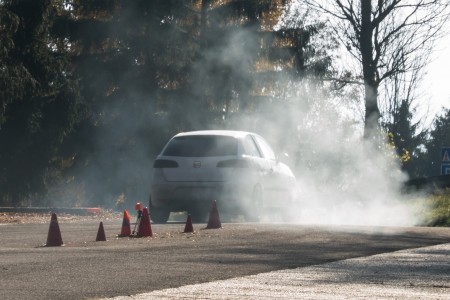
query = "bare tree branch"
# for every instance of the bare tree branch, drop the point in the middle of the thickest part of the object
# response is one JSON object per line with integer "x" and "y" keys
{"x": 395, "y": 37}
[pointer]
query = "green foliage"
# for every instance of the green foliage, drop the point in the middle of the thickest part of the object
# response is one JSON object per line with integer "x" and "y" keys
{"x": 42, "y": 104}
{"x": 437, "y": 209}
{"x": 404, "y": 137}
{"x": 14, "y": 77}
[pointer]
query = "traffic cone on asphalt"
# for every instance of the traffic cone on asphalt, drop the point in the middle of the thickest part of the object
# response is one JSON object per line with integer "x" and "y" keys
{"x": 126, "y": 228}
{"x": 188, "y": 227}
{"x": 145, "y": 229}
{"x": 214, "y": 219}
{"x": 101, "y": 237}
{"x": 54, "y": 234}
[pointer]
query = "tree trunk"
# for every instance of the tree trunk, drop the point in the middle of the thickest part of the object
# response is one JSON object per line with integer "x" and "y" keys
{"x": 372, "y": 114}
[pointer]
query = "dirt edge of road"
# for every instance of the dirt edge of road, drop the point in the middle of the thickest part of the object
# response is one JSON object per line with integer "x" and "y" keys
{"x": 41, "y": 218}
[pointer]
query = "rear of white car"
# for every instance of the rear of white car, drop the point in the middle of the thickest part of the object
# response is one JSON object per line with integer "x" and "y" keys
{"x": 195, "y": 168}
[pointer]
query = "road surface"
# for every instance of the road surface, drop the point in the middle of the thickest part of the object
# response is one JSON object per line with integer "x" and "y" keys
{"x": 85, "y": 269}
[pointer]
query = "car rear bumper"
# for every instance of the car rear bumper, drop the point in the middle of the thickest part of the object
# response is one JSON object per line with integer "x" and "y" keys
{"x": 184, "y": 195}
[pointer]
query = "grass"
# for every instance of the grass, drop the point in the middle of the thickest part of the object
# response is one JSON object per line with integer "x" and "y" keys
{"x": 436, "y": 208}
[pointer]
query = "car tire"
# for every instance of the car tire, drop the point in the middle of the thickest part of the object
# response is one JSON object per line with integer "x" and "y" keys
{"x": 253, "y": 213}
{"x": 158, "y": 215}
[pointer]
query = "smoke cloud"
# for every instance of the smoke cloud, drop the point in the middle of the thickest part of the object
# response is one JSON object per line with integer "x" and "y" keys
{"x": 342, "y": 179}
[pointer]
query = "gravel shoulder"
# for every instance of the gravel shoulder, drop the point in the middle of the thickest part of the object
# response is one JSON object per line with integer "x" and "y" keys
{"x": 42, "y": 218}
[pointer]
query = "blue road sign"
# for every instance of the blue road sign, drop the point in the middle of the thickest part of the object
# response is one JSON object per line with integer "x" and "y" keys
{"x": 445, "y": 169}
{"x": 445, "y": 160}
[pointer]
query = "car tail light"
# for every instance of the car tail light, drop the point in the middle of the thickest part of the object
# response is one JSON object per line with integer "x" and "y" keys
{"x": 165, "y": 163}
{"x": 234, "y": 163}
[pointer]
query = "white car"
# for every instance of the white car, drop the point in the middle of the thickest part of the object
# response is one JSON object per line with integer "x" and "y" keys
{"x": 237, "y": 169}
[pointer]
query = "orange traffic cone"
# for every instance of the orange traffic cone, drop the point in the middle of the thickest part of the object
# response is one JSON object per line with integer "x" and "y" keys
{"x": 188, "y": 227}
{"x": 101, "y": 237}
{"x": 214, "y": 219}
{"x": 54, "y": 234}
{"x": 126, "y": 229}
{"x": 145, "y": 229}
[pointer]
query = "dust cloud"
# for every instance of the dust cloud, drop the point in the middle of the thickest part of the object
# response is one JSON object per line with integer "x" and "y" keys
{"x": 342, "y": 178}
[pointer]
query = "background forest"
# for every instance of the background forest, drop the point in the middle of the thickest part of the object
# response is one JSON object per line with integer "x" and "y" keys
{"x": 91, "y": 90}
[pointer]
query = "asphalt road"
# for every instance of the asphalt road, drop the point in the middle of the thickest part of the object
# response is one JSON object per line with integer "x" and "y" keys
{"x": 410, "y": 274}
{"x": 85, "y": 269}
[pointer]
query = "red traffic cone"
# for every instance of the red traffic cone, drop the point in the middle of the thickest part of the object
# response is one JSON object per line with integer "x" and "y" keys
{"x": 101, "y": 237}
{"x": 145, "y": 229}
{"x": 126, "y": 229}
{"x": 214, "y": 219}
{"x": 188, "y": 227}
{"x": 54, "y": 234}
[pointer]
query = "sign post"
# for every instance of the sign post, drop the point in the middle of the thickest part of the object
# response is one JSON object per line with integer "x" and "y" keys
{"x": 445, "y": 161}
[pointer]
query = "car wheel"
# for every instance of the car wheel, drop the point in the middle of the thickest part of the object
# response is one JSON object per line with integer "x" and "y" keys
{"x": 158, "y": 214}
{"x": 254, "y": 211}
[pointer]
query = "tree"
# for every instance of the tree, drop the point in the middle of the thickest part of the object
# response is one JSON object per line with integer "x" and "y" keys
{"x": 14, "y": 77}
{"x": 236, "y": 37}
{"x": 406, "y": 138}
{"x": 42, "y": 104}
{"x": 250, "y": 61}
{"x": 386, "y": 37}
{"x": 132, "y": 58}
{"x": 406, "y": 132}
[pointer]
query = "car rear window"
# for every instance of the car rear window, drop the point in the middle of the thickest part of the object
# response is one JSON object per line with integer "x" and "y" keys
{"x": 201, "y": 146}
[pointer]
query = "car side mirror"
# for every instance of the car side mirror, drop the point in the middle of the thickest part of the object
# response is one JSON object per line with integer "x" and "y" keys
{"x": 283, "y": 158}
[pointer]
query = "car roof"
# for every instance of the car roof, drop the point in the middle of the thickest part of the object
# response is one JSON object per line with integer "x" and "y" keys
{"x": 231, "y": 133}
